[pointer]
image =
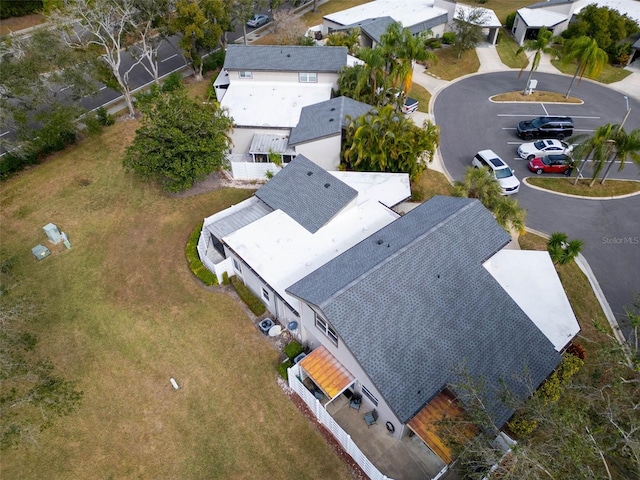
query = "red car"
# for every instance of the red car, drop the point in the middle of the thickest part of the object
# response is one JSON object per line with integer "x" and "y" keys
{"x": 557, "y": 163}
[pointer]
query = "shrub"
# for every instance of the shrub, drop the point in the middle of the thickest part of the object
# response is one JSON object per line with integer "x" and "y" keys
{"x": 104, "y": 117}
{"x": 201, "y": 272}
{"x": 15, "y": 162}
{"x": 10, "y": 9}
{"x": 213, "y": 61}
{"x": 253, "y": 302}
{"x": 293, "y": 349}
{"x": 448, "y": 38}
{"x": 433, "y": 43}
{"x": 225, "y": 278}
{"x": 522, "y": 426}
{"x": 551, "y": 389}
{"x": 282, "y": 368}
{"x": 577, "y": 350}
{"x": 510, "y": 19}
{"x": 92, "y": 124}
{"x": 172, "y": 82}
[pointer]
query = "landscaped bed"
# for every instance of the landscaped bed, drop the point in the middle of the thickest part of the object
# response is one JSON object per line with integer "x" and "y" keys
{"x": 611, "y": 188}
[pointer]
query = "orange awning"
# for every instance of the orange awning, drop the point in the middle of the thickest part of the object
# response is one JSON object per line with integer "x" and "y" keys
{"x": 326, "y": 372}
{"x": 425, "y": 424}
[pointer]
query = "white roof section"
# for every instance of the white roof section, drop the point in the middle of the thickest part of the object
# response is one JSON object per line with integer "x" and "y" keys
{"x": 490, "y": 19}
{"x": 408, "y": 13}
{"x": 271, "y": 104}
{"x": 529, "y": 276}
{"x": 539, "y": 17}
{"x": 282, "y": 252}
{"x": 387, "y": 188}
{"x": 353, "y": 61}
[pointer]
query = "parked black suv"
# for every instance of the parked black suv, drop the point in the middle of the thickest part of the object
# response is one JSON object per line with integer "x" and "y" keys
{"x": 545, "y": 127}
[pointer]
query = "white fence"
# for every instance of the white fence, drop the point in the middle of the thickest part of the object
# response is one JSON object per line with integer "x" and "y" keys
{"x": 251, "y": 170}
{"x": 327, "y": 420}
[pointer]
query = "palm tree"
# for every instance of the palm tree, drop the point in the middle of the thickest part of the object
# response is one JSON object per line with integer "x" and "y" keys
{"x": 374, "y": 70}
{"x": 539, "y": 46}
{"x": 626, "y": 146}
{"x": 561, "y": 249}
{"x": 479, "y": 183}
{"x": 598, "y": 147}
{"x": 590, "y": 58}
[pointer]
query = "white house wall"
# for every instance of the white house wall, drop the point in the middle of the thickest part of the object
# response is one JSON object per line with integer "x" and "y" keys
{"x": 291, "y": 77}
{"x": 313, "y": 337}
{"x": 324, "y": 152}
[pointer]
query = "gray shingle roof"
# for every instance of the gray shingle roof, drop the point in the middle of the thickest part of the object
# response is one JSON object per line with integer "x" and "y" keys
{"x": 413, "y": 303}
{"x": 549, "y": 3}
{"x": 307, "y": 193}
{"x": 285, "y": 58}
{"x": 237, "y": 220}
{"x": 326, "y": 118}
{"x": 373, "y": 27}
{"x": 428, "y": 24}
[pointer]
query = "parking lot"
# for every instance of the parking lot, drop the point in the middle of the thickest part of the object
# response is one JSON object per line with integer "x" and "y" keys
{"x": 471, "y": 122}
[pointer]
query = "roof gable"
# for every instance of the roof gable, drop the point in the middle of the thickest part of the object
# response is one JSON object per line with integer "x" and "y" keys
{"x": 326, "y": 118}
{"x": 413, "y": 303}
{"x": 307, "y": 193}
{"x": 285, "y": 58}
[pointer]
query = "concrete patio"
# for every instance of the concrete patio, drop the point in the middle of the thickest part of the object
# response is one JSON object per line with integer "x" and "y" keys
{"x": 406, "y": 459}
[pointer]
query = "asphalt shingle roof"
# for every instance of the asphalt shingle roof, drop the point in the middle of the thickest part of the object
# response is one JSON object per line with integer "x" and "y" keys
{"x": 326, "y": 118}
{"x": 285, "y": 58}
{"x": 549, "y": 3}
{"x": 317, "y": 197}
{"x": 414, "y": 305}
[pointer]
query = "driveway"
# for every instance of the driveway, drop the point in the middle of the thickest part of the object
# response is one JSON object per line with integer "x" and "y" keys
{"x": 610, "y": 229}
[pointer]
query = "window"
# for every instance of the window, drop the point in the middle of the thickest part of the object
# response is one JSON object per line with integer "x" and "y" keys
{"x": 325, "y": 328}
{"x": 307, "y": 77}
{"x": 370, "y": 395}
{"x": 265, "y": 294}
{"x": 245, "y": 74}
{"x": 237, "y": 266}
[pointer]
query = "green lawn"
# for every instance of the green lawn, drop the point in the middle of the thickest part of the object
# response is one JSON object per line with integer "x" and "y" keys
{"x": 315, "y": 18}
{"x": 609, "y": 74}
{"x": 124, "y": 314}
{"x": 449, "y": 66}
{"x": 422, "y": 95}
{"x": 507, "y": 48}
{"x": 611, "y": 188}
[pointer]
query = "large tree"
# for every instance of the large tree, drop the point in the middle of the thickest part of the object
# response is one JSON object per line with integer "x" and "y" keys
{"x": 384, "y": 140}
{"x": 242, "y": 11}
{"x": 468, "y": 30}
{"x": 626, "y": 146}
{"x": 561, "y": 249}
{"x": 202, "y": 24}
{"x": 590, "y": 58}
{"x": 538, "y": 46}
{"x": 104, "y": 24}
{"x": 180, "y": 141}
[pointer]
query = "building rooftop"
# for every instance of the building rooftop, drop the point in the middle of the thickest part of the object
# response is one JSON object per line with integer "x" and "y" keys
{"x": 407, "y": 13}
{"x": 541, "y": 18}
{"x": 285, "y": 58}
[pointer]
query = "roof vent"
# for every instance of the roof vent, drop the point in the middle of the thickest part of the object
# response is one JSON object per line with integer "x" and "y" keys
{"x": 380, "y": 242}
{"x": 288, "y": 55}
{"x": 331, "y": 119}
{"x": 309, "y": 174}
{"x": 333, "y": 109}
{"x": 327, "y": 185}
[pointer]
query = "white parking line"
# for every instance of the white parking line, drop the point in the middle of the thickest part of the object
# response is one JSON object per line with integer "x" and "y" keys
{"x": 529, "y": 115}
{"x": 169, "y": 58}
{"x": 103, "y": 88}
{"x": 66, "y": 88}
{"x": 3, "y": 134}
{"x": 508, "y": 128}
{"x": 545, "y": 110}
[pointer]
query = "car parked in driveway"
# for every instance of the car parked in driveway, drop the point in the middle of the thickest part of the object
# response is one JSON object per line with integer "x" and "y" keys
{"x": 554, "y": 163}
{"x": 499, "y": 169}
{"x": 539, "y": 148}
{"x": 545, "y": 127}
{"x": 258, "y": 20}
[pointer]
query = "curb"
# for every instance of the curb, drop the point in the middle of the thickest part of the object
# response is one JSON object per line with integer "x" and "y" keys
{"x": 581, "y": 197}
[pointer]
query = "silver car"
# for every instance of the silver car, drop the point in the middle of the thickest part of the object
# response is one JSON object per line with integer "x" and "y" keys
{"x": 540, "y": 148}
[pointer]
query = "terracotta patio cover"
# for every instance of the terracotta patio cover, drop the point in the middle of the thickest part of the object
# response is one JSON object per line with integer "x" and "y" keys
{"x": 326, "y": 372}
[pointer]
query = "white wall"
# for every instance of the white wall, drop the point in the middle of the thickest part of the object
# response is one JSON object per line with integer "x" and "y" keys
{"x": 252, "y": 171}
{"x": 292, "y": 77}
{"x": 324, "y": 152}
{"x": 314, "y": 337}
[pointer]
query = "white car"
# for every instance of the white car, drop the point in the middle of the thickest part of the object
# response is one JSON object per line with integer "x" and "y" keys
{"x": 500, "y": 170}
{"x": 529, "y": 151}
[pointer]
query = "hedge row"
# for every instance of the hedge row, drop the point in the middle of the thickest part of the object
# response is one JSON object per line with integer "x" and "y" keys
{"x": 199, "y": 270}
{"x": 10, "y": 8}
{"x": 253, "y": 302}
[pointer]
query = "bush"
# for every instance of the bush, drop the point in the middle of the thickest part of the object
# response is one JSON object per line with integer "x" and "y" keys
{"x": 448, "y": 38}
{"x": 510, "y": 19}
{"x": 172, "y": 82}
{"x": 15, "y": 162}
{"x": 201, "y": 272}
{"x": 305, "y": 41}
{"x": 522, "y": 427}
{"x": 225, "y": 278}
{"x": 213, "y": 61}
{"x": 293, "y": 349}
{"x": 92, "y": 124}
{"x": 433, "y": 43}
{"x": 551, "y": 389}
{"x": 247, "y": 296}
{"x": 577, "y": 350}
{"x": 19, "y": 9}
{"x": 282, "y": 368}
{"x": 104, "y": 117}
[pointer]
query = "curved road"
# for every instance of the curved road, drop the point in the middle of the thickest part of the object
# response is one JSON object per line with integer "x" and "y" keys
{"x": 610, "y": 229}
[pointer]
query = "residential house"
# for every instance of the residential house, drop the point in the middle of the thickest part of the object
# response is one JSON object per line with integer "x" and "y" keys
{"x": 264, "y": 89}
{"x": 436, "y": 17}
{"x": 414, "y": 308}
{"x": 297, "y": 221}
{"x": 556, "y": 15}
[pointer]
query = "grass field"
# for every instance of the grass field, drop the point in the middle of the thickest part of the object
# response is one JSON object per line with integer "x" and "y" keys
{"x": 609, "y": 74}
{"x": 422, "y": 95}
{"x": 611, "y": 188}
{"x": 449, "y": 66}
{"x": 124, "y": 314}
{"x": 507, "y": 48}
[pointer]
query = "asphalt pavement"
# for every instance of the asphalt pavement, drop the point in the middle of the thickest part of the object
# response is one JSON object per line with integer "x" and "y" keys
{"x": 610, "y": 229}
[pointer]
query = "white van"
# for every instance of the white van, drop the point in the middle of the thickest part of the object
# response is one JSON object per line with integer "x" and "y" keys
{"x": 501, "y": 171}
